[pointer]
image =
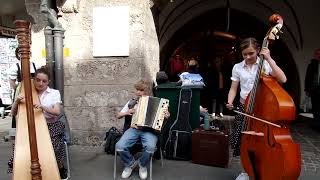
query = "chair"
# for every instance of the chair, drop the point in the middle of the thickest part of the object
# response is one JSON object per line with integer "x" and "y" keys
{"x": 67, "y": 138}
{"x": 150, "y": 164}
{"x": 67, "y": 158}
{"x": 2, "y": 112}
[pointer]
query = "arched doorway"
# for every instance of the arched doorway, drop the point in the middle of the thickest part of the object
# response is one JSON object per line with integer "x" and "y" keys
{"x": 197, "y": 39}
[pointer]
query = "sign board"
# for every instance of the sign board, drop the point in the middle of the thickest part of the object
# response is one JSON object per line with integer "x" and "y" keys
{"x": 8, "y": 32}
{"x": 110, "y": 31}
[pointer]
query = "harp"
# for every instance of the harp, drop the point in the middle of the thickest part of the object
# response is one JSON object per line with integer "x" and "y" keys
{"x": 32, "y": 144}
{"x": 22, "y": 159}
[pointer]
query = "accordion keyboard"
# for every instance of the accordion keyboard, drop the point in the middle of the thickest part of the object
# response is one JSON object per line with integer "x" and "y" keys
{"x": 150, "y": 112}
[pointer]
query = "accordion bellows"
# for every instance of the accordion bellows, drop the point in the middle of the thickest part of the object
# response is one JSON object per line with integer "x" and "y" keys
{"x": 150, "y": 112}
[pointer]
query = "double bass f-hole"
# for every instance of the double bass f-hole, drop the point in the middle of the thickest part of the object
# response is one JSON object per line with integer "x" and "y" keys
{"x": 268, "y": 135}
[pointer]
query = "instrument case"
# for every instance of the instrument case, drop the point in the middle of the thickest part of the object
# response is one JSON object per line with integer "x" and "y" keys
{"x": 210, "y": 147}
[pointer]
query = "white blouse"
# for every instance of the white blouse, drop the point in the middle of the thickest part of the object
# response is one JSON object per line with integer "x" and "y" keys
{"x": 49, "y": 98}
{"x": 242, "y": 73}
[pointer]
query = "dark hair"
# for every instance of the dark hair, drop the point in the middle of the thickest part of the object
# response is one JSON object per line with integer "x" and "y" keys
{"x": 43, "y": 70}
{"x": 161, "y": 77}
{"x": 249, "y": 42}
{"x": 17, "y": 53}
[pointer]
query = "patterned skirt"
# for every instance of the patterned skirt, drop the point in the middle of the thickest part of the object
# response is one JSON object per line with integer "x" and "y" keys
{"x": 56, "y": 131}
{"x": 238, "y": 126}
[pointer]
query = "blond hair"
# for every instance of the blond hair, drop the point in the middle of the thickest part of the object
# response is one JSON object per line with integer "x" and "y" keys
{"x": 142, "y": 85}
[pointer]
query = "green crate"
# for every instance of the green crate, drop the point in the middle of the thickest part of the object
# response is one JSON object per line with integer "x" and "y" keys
{"x": 171, "y": 91}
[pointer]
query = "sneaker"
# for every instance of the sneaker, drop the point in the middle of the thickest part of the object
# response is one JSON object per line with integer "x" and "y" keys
{"x": 128, "y": 170}
{"x": 221, "y": 115}
{"x": 63, "y": 174}
{"x": 143, "y": 172}
{"x": 214, "y": 116}
{"x": 243, "y": 176}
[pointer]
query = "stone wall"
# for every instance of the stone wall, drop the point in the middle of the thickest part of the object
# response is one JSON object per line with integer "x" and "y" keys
{"x": 97, "y": 88}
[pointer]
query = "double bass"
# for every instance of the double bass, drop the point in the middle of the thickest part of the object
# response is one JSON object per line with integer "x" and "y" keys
{"x": 267, "y": 148}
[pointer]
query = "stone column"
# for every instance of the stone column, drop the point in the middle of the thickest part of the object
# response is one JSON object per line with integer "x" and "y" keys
{"x": 49, "y": 55}
{"x": 58, "y": 35}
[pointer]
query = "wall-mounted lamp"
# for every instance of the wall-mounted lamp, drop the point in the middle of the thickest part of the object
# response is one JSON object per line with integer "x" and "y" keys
{"x": 226, "y": 35}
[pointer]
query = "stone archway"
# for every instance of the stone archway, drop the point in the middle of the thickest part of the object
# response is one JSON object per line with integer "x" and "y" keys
{"x": 300, "y": 31}
{"x": 199, "y": 33}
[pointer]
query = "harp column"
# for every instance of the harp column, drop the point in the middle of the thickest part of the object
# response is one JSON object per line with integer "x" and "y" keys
{"x": 23, "y": 34}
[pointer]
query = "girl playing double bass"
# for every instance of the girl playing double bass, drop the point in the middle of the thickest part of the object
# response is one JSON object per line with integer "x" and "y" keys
{"x": 244, "y": 74}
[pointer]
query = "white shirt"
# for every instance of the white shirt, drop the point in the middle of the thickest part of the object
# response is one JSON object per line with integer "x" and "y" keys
{"x": 246, "y": 76}
{"x": 13, "y": 70}
{"x": 49, "y": 98}
{"x": 125, "y": 108}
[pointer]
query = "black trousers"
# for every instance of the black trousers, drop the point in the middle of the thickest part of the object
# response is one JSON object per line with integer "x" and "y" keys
{"x": 13, "y": 122}
{"x": 218, "y": 101}
{"x": 315, "y": 100}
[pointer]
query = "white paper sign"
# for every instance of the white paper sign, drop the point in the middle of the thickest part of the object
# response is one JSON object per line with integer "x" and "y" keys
{"x": 110, "y": 31}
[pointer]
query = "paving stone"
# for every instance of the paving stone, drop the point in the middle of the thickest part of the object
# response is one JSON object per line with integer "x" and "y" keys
{"x": 309, "y": 142}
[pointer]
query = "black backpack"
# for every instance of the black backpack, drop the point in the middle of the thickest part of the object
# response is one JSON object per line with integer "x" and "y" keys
{"x": 111, "y": 138}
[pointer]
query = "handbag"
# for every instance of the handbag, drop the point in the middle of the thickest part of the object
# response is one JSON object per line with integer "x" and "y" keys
{"x": 112, "y": 137}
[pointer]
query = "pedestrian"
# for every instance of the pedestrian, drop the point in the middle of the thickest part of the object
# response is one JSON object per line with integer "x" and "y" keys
{"x": 312, "y": 87}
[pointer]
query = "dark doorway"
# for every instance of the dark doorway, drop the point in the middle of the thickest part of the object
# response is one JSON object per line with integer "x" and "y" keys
{"x": 199, "y": 39}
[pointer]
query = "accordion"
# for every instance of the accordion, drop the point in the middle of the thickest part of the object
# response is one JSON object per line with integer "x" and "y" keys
{"x": 150, "y": 112}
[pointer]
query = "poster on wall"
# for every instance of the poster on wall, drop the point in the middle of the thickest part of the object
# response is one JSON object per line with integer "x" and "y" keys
{"x": 3, "y": 45}
{"x": 12, "y": 45}
{"x": 110, "y": 31}
{"x": 3, "y": 58}
{"x": 7, "y": 59}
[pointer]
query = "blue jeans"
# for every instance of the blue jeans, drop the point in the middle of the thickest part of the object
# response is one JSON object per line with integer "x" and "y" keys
{"x": 129, "y": 138}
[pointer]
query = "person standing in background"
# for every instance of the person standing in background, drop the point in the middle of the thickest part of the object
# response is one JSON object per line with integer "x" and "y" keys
{"x": 15, "y": 77}
{"x": 216, "y": 84}
{"x": 176, "y": 66}
{"x": 312, "y": 87}
{"x": 14, "y": 72}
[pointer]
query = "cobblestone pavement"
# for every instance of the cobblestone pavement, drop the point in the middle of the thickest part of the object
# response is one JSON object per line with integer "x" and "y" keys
{"x": 308, "y": 139}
